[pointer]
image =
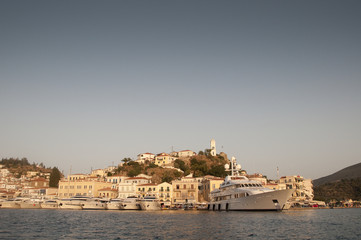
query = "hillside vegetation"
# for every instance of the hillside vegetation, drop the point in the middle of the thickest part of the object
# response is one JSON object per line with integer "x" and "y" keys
{"x": 342, "y": 185}
{"x": 199, "y": 165}
{"x": 340, "y": 190}
{"x": 19, "y": 167}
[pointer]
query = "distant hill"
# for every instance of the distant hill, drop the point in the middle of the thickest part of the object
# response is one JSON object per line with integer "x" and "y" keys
{"x": 351, "y": 172}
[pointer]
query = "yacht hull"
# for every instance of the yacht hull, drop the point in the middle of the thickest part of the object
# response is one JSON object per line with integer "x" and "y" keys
{"x": 150, "y": 206}
{"x": 269, "y": 201}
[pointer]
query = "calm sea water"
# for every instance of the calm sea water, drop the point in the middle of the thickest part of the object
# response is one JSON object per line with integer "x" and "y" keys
{"x": 68, "y": 224}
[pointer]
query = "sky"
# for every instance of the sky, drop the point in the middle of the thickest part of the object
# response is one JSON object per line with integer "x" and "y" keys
{"x": 84, "y": 84}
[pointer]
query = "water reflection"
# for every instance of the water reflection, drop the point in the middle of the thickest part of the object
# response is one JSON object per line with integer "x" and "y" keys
{"x": 60, "y": 224}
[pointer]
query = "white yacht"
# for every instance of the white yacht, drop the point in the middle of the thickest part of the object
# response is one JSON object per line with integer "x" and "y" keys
{"x": 49, "y": 204}
{"x": 130, "y": 203}
{"x": 238, "y": 193}
{"x": 94, "y": 204}
{"x": 74, "y": 203}
{"x": 31, "y": 203}
{"x": 11, "y": 203}
{"x": 114, "y": 204}
{"x": 150, "y": 203}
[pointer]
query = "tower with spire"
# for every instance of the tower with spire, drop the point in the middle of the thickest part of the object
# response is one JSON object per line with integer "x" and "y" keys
{"x": 213, "y": 147}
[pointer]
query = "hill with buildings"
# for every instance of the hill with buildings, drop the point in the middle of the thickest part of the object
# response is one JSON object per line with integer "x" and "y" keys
{"x": 22, "y": 166}
{"x": 199, "y": 165}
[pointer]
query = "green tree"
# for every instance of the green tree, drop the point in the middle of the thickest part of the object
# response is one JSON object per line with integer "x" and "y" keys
{"x": 55, "y": 176}
{"x": 180, "y": 164}
{"x": 126, "y": 160}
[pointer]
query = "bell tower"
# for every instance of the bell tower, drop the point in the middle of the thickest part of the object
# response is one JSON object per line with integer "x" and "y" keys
{"x": 213, "y": 147}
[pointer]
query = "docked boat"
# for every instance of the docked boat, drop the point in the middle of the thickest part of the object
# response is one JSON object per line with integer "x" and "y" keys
{"x": 74, "y": 203}
{"x": 31, "y": 203}
{"x": 11, "y": 203}
{"x": 114, "y": 204}
{"x": 150, "y": 203}
{"x": 238, "y": 193}
{"x": 94, "y": 204}
{"x": 130, "y": 203}
{"x": 49, "y": 204}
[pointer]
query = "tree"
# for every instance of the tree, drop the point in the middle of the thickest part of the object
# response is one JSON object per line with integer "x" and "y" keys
{"x": 55, "y": 176}
{"x": 126, "y": 160}
{"x": 180, "y": 164}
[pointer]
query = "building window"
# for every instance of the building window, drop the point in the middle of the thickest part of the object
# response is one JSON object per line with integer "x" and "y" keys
{"x": 177, "y": 186}
{"x": 78, "y": 187}
{"x": 85, "y": 186}
{"x": 184, "y": 186}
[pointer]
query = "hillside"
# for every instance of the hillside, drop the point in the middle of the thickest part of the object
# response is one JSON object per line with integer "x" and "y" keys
{"x": 199, "y": 165}
{"x": 351, "y": 172}
{"x": 20, "y": 167}
{"x": 340, "y": 190}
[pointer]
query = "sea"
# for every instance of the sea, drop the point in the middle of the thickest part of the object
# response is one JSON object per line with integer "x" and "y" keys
{"x": 180, "y": 224}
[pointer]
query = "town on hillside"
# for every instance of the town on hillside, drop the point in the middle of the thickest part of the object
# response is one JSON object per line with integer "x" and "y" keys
{"x": 176, "y": 178}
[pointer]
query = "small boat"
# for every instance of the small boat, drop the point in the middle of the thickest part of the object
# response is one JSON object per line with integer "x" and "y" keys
{"x": 94, "y": 204}
{"x": 31, "y": 203}
{"x": 49, "y": 204}
{"x": 114, "y": 204}
{"x": 130, "y": 203}
{"x": 150, "y": 203}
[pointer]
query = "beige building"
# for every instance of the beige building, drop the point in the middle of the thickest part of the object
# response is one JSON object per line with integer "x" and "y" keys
{"x": 108, "y": 193}
{"x": 185, "y": 190}
{"x": 209, "y": 184}
{"x": 129, "y": 186}
{"x": 303, "y": 188}
{"x": 115, "y": 180}
{"x": 165, "y": 193}
{"x": 163, "y": 159}
{"x": 147, "y": 189}
{"x": 185, "y": 153}
{"x": 82, "y": 187}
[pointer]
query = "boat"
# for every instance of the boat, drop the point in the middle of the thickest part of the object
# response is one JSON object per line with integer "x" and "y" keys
{"x": 238, "y": 193}
{"x": 94, "y": 204}
{"x": 31, "y": 203}
{"x": 49, "y": 204}
{"x": 114, "y": 204}
{"x": 11, "y": 203}
{"x": 130, "y": 203}
{"x": 150, "y": 203}
{"x": 74, "y": 203}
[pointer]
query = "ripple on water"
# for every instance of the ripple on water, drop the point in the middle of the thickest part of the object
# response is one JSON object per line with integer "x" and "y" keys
{"x": 60, "y": 224}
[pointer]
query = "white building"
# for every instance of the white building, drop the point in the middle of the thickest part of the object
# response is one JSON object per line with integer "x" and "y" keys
{"x": 186, "y": 153}
{"x": 141, "y": 158}
{"x": 129, "y": 186}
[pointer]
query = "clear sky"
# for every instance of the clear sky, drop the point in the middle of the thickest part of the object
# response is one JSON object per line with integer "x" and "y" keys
{"x": 84, "y": 84}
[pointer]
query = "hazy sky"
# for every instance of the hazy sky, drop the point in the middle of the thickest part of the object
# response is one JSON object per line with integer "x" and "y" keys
{"x": 84, "y": 84}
